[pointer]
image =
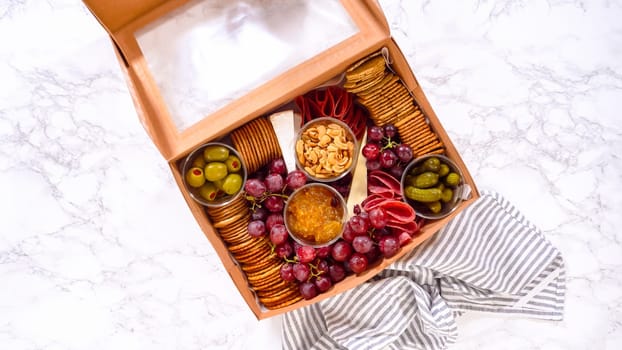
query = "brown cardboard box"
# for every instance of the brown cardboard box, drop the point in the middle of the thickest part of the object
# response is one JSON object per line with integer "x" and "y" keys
{"x": 122, "y": 19}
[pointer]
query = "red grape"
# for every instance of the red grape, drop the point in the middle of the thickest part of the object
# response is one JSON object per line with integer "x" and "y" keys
{"x": 341, "y": 251}
{"x": 348, "y": 235}
{"x": 397, "y": 171}
{"x": 274, "y": 204}
{"x": 382, "y": 232}
{"x": 284, "y": 250}
{"x": 358, "y": 224}
{"x": 287, "y": 272}
{"x": 346, "y": 267}
{"x": 336, "y": 272}
{"x": 404, "y": 238}
{"x": 375, "y": 133}
{"x": 323, "y": 283}
{"x": 308, "y": 290}
{"x": 259, "y": 213}
{"x": 372, "y": 164}
{"x": 365, "y": 217}
{"x": 296, "y": 179}
{"x": 301, "y": 272}
{"x": 373, "y": 254}
{"x": 357, "y": 209}
{"x": 277, "y": 166}
{"x": 371, "y": 151}
{"x": 389, "y": 245}
{"x": 404, "y": 153}
{"x": 256, "y": 228}
{"x": 378, "y": 218}
{"x": 274, "y": 183}
{"x": 255, "y": 187}
{"x": 390, "y": 130}
{"x": 362, "y": 244}
{"x": 278, "y": 234}
{"x": 358, "y": 262}
{"x": 322, "y": 267}
{"x": 273, "y": 219}
{"x": 387, "y": 159}
{"x": 323, "y": 252}
{"x": 305, "y": 253}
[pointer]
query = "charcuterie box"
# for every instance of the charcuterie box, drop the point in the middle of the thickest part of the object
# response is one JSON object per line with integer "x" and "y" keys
{"x": 246, "y": 75}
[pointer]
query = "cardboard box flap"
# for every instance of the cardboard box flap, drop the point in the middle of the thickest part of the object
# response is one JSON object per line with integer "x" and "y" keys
{"x": 114, "y": 14}
{"x": 201, "y": 63}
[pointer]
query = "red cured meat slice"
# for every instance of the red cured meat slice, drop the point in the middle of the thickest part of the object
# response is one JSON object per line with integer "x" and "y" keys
{"x": 410, "y": 226}
{"x": 380, "y": 178}
{"x": 372, "y": 201}
{"x": 399, "y": 211}
{"x": 381, "y": 190}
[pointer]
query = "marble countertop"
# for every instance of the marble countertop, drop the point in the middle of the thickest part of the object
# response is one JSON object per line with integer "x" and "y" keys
{"x": 98, "y": 250}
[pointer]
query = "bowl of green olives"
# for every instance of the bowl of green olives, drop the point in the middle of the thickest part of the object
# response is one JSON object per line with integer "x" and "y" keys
{"x": 433, "y": 185}
{"x": 214, "y": 174}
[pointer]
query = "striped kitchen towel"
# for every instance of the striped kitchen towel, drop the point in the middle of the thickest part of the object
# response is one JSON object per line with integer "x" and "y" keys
{"x": 489, "y": 258}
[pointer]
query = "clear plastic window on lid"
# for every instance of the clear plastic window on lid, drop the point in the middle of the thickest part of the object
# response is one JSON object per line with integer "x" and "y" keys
{"x": 209, "y": 53}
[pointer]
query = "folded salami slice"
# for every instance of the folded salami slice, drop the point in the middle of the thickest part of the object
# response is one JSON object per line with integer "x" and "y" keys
{"x": 380, "y": 178}
{"x": 399, "y": 211}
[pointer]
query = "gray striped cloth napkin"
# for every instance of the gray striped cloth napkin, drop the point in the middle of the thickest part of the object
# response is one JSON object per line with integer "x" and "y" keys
{"x": 488, "y": 258}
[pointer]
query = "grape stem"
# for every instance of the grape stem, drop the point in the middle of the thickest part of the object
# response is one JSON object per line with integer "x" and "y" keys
{"x": 315, "y": 272}
{"x": 390, "y": 144}
{"x": 292, "y": 261}
{"x": 256, "y": 202}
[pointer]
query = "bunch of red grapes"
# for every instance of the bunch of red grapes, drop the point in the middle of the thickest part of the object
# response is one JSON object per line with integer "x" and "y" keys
{"x": 383, "y": 151}
{"x": 366, "y": 238}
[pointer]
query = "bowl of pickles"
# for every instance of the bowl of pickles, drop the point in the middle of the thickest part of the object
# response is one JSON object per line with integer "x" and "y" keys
{"x": 433, "y": 186}
{"x": 214, "y": 174}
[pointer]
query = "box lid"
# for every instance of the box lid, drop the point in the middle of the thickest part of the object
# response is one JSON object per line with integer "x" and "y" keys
{"x": 198, "y": 69}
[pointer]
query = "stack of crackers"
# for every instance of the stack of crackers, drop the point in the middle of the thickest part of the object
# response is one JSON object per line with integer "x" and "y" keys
{"x": 257, "y": 143}
{"x": 254, "y": 255}
{"x": 388, "y": 101}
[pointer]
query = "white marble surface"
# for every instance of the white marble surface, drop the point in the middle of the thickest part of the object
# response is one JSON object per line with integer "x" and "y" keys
{"x": 99, "y": 251}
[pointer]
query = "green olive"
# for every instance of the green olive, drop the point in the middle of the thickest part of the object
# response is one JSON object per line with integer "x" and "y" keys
{"x": 233, "y": 164}
{"x": 232, "y": 183}
{"x": 216, "y": 153}
{"x": 208, "y": 191}
{"x": 198, "y": 162}
{"x": 219, "y": 183}
{"x": 215, "y": 171}
{"x": 195, "y": 177}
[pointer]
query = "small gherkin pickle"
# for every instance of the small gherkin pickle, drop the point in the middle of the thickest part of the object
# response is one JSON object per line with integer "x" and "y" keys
{"x": 443, "y": 170}
{"x": 435, "y": 207}
{"x": 422, "y": 195}
{"x": 446, "y": 195}
{"x": 409, "y": 180}
{"x": 426, "y": 180}
{"x": 432, "y": 164}
{"x": 452, "y": 179}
